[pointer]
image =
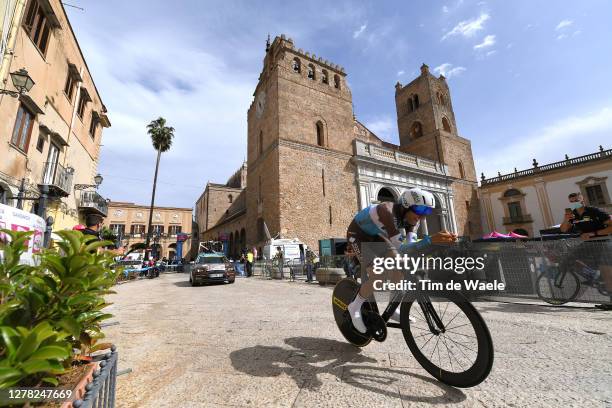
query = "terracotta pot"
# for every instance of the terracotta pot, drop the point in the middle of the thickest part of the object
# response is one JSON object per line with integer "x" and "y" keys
{"x": 78, "y": 392}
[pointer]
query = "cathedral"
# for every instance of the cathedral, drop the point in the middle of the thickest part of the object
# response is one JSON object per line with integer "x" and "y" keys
{"x": 311, "y": 165}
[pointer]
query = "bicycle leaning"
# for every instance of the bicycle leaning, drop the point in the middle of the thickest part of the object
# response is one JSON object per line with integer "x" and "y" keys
{"x": 448, "y": 337}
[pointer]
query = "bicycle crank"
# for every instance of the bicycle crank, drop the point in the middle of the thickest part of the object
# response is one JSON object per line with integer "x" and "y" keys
{"x": 377, "y": 327}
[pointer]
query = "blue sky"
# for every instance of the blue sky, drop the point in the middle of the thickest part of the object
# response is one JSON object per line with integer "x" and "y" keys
{"x": 529, "y": 79}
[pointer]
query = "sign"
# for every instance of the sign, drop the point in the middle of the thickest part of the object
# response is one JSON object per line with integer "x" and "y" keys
{"x": 14, "y": 219}
{"x": 180, "y": 237}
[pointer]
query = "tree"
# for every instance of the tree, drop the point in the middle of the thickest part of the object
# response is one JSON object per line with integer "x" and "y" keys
{"x": 161, "y": 137}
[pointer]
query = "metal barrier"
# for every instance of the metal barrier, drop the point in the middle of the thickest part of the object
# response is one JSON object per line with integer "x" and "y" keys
{"x": 100, "y": 393}
{"x": 292, "y": 269}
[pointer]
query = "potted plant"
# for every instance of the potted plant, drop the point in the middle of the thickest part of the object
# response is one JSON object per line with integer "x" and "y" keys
{"x": 50, "y": 313}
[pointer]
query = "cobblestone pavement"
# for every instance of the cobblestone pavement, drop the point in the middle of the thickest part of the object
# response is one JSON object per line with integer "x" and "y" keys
{"x": 260, "y": 343}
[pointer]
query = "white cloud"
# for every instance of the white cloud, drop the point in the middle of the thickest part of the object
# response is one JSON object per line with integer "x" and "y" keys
{"x": 448, "y": 70}
{"x": 550, "y": 143}
{"x": 400, "y": 73}
{"x": 445, "y": 9}
{"x": 383, "y": 127}
{"x": 577, "y": 32}
{"x": 491, "y": 53}
{"x": 468, "y": 28}
{"x": 488, "y": 41}
{"x": 563, "y": 24}
{"x": 357, "y": 33}
{"x": 561, "y": 36}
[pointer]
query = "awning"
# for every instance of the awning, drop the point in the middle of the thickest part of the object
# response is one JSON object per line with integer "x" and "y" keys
{"x": 55, "y": 136}
{"x": 30, "y": 104}
{"x": 85, "y": 94}
{"x": 74, "y": 72}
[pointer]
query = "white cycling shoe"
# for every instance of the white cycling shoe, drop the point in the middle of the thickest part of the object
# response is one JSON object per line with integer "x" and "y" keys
{"x": 354, "y": 309}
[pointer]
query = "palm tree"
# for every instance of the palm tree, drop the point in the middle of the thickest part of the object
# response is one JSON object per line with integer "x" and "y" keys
{"x": 161, "y": 136}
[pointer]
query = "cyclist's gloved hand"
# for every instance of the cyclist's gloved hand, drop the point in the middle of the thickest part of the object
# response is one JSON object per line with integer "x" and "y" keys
{"x": 443, "y": 237}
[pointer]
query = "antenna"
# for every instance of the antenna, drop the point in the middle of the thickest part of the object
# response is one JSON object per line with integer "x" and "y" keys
{"x": 268, "y": 43}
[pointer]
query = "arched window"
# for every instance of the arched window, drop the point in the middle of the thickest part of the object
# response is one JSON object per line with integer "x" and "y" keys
{"x": 416, "y": 130}
{"x": 336, "y": 82}
{"x": 446, "y": 124}
{"x": 461, "y": 171}
{"x": 230, "y": 198}
{"x": 385, "y": 195}
{"x": 260, "y": 143}
{"x": 416, "y": 101}
{"x": 297, "y": 65}
{"x": 320, "y": 134}
{"x": 324, "y": 77}
{"x": 311, "y": 72}
{"x": 410, "y": 105}
{"x": 3, "y": 195}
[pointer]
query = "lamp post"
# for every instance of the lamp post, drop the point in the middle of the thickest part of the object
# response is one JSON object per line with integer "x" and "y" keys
{"x": 22, "y": 81}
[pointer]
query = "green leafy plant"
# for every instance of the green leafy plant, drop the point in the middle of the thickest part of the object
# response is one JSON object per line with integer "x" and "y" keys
{"x": 32, "y": 356}
{"x": 64, "y": 293}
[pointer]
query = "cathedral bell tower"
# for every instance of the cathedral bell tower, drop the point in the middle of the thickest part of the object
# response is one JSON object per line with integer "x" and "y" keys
{"x": 427, "y": 127}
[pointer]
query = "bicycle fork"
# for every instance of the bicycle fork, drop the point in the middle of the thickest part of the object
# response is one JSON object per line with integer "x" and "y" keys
{"x": 432, "y": 318}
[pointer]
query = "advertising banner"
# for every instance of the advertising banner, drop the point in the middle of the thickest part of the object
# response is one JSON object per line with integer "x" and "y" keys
{"x": 15, "y": 219}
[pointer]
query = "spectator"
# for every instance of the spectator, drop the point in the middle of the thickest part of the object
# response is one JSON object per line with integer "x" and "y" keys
{"x": 92, "y": 225}
{"x": 589, "y": 222}
{"x": 280, "y": 259}
{"x": 249, "y": 263}
{"x": 348, "y": 264}
{"x": 310, "y": 256}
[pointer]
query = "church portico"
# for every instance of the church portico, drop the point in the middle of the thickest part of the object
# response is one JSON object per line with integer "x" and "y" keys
{"x": 383, "y": 174}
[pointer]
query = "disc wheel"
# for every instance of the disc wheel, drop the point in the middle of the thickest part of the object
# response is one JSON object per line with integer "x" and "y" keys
{"x": 556, "y": 288}
{"x": 461, "y": 353}
{"x": 344, "y": 293}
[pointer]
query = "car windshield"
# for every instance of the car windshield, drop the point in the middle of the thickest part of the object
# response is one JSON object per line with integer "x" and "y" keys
{"x": 210, "y": 260}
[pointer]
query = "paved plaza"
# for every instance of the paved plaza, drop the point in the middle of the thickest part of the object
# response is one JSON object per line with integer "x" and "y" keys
{"x": 262, "y": 343}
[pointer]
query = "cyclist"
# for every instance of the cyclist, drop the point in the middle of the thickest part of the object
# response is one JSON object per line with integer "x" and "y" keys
{"x": 383, "y": 223}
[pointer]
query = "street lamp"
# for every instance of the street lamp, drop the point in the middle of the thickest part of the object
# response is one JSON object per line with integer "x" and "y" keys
{"x": 22, "y": 81}
{"x": 97, "y": 179}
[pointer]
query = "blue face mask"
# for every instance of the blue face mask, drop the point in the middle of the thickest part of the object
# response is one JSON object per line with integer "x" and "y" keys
{"x": 575, "y": 205}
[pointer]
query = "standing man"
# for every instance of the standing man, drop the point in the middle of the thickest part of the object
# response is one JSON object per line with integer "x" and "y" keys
{"x": 310, "y": 256}
{"x": 92, "y": 225}
{"x": 249, "y": 263}
{"x": 591, "y": 223}
{"x": 280, "y": 259}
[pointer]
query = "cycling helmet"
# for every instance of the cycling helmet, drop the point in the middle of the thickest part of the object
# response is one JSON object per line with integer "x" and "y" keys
{"x": 418, "y": 201}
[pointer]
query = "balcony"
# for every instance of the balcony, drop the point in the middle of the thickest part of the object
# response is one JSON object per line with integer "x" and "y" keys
{"x": 518, "y": 219}
{"x": 91, "y": 201}
{"x": 57, "y": 178}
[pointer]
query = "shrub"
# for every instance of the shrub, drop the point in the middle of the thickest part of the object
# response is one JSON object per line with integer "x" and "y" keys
{"x": 56, "y": 304}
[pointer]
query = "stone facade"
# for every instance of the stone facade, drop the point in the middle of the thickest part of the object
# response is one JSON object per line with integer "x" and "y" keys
{"x": 530, "y": 200}
{"x": 306, "y": 176}
{"x": 427, "y": 127}
{"x": 129, "y": 222}
{"x": 59, "y": 144}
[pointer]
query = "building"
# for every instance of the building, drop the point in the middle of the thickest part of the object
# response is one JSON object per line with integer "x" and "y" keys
{"x": 531, "y": 200}
{"x": 221, "y": 210}
{"x": 51, "y": 135}
{"x": 129, "y": 222}
{"x": 312, "y": 165}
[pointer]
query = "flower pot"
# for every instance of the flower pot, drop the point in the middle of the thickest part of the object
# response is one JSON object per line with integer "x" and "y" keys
{"x": 78, "y": 392}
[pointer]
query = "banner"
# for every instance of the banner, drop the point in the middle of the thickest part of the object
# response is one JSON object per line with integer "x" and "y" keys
{"x": 14, "y": 219}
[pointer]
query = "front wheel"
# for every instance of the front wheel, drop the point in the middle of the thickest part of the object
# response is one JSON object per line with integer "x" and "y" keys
{"x": 557, "y": 287}
{"x": 448, "y": 338}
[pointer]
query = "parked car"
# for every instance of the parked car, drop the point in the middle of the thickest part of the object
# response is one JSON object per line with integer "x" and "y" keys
{"x": 210, "y": 268}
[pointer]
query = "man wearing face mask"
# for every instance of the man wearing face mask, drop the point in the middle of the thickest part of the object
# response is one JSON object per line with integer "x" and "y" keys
{"x": 590, "y": 222}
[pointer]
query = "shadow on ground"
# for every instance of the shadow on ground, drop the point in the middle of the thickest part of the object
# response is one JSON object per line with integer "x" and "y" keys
{"x": 310, "y": 357}
{"x": 532, "y": 309}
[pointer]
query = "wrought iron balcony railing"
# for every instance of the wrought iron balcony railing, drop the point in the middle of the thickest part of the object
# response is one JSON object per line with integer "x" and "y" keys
{"x": 92, "y": 201}
{"x": 58, "y": 178}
